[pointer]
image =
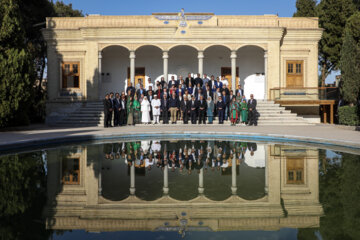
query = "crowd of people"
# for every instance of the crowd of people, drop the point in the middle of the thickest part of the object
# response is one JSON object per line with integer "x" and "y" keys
{"x": 198, "y": 100}
{"x": 181, "y": 155}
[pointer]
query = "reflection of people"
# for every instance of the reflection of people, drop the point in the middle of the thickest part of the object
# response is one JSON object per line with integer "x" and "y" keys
{"x": 252, "y": 110}
{"x": 252, "y": 148}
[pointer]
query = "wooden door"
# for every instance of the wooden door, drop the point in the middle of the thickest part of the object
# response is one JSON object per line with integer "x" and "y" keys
{"x": 139, "y": 74}
{"x": 226, "y": 71}
{"x": 295, "y": 74}
{"x": 294, "y": 170}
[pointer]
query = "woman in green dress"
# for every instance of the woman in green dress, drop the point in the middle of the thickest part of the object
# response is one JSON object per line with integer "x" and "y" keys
{"x": 130, "y": 111}
{"x": 137, "y": 108}
{"x": 244, "y": 112}
{"x": 234, "y": 114}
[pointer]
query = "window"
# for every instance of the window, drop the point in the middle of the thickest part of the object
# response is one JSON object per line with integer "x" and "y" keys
{"x": 291, "y": 176}
{"x": 295, "y": 75}
{"x": 290, "y": 68}
{"x": 71, "y": 171}
{"x": 298, "y": 68}
{"x": 295, "y": 170}
{"x": 71, "y": 75}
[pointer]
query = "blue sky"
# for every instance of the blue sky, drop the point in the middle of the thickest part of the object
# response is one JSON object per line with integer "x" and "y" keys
{"x": 284, "y": 8}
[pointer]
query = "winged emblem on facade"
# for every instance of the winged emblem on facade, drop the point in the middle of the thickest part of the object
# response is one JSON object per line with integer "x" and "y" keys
{"x": 183, "y": 18}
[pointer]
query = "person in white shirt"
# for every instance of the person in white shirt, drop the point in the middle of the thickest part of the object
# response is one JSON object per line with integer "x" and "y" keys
{"x": 224, "y": 81}
{"x": 145, "y": 111}
{"x": 155, "y": 104}
{"x": 148, "y": 84}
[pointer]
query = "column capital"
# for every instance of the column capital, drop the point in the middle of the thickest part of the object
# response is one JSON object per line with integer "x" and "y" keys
{"x": 233, "y": 54}
{"x": 132, "y": 54}
{"x": 100, "y": 54}
{"x": 200, "y": 54}
{"x": 165, "y": 54}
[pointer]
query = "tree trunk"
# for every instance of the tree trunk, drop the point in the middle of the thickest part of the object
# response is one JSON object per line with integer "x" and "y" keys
{"x": 323, "y": 75}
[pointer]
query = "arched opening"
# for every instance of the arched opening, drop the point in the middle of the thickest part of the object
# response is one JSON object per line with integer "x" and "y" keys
{"x": 114, "y": 65}
{"x": 250, "y": 60}
{"x": 148, "y": 64}
{"x": 182, "y": 60}
{"x": 217, "y": 62}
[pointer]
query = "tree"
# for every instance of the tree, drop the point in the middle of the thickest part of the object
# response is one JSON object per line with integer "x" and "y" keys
{"x": 63, "y": 10}
{"x": 333, "y": 15}
{"x": 16, "y": 67}
{"x": 350, "y": 61}
{"x": 305, "y": 8}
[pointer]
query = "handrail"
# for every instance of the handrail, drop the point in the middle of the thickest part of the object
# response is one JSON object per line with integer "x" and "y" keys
{"x": 322, "y": 93}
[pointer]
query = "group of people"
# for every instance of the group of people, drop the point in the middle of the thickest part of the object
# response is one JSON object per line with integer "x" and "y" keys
{"x": 190, "y": 99}
{"x": 181, "y": 155}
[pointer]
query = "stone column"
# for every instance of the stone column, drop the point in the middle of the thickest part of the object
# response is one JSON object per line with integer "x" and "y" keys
{"x": 233, "y": 175}
{"x": 265, "y": 72}
{"x": 266, "y": 169}
{"x": 201, "y": 63}
{"x": 132, "y": 67}
{"x": 201, "y": 181}
{"x": 166, "y": 180}
{"x": 233, "y": 70}
{"x": 100, "y": 183}
{"x": 165, "y": 65}
{"x": 99, "y": 73}
{"x": 132, "y": 179}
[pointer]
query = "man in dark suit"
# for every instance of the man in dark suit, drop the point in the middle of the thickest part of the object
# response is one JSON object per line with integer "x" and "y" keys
{"x": 173, "y": 82}
{"x": 140, "y": 91}
{"x": 198, "y": 80}
{"x": 131, "y": 89}
{"x": 202, "y": 109}
{"x": 252, "y": 110}
{"x": 220, "y": 108}
{"x": 193, "y": 109}
{"x": 239, "y": 90}
{"x": 225, "y": 98}
{"x": 111, "y": 99}
{"x": 164, "y": 108}
{"x": 150, "y": 97}
{"x": 123, "y": 120}
{"x": 186, "y": 109}
{"x": 189, "y": 79}
{"x": 107, "y": 111}
{"x": 117, "y": 108}
{"x": 252, "y": 148}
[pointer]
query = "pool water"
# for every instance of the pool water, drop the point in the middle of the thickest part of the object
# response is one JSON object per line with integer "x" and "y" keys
{"x": 173, "y": 189}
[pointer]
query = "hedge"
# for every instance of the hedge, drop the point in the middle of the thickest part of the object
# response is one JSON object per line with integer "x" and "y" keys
{"x": 349, "y": 115}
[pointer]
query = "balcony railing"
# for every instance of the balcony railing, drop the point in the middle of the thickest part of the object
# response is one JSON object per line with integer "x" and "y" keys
{"x": 308, "y": 93}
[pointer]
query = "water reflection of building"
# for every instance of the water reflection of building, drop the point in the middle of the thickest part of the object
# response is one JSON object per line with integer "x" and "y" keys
{"x": 92, "y": 189}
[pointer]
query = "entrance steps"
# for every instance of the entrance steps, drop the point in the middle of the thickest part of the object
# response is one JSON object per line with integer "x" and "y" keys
{"x": 271, "y": 114}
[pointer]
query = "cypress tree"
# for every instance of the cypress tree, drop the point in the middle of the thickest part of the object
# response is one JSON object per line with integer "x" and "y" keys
{"x": 350, "y": 61}
{"x": 305, "y": 8}
{"x": 333, "y": 15}
{"x": 16, "y": 67}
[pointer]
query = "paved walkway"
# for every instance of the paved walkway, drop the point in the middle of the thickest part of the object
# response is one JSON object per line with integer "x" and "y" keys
{"x": 41, "y": 134}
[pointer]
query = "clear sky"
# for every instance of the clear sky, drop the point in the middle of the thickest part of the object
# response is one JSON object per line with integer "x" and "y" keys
{"x": 284, "y": 8}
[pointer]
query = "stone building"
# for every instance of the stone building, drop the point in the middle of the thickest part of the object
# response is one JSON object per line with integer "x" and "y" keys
{"x": 276, "y": 58}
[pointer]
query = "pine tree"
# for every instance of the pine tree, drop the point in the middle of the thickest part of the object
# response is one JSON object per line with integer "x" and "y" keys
{"x": 305, "y": 8}
{"x": 350, "y": 61}
{"x": 16, "y": 67}
{"x": 333, "y": 15}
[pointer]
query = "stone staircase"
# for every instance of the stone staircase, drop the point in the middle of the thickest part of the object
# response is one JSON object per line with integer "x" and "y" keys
{"x": 91, "y": 114}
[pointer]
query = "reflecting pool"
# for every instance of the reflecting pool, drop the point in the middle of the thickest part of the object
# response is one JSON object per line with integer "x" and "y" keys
{"x": 173, "y": 189}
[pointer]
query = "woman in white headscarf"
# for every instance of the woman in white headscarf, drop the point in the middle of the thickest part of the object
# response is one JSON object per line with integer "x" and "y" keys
{"x": 145, "y": 111}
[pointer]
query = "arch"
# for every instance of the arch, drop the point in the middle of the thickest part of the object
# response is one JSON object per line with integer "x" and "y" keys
{"x": 252, "y": 45}
{"x": 148, "y": 45}
{"x": 214, "y": 45}
{"x": 183, "y": 45}
{"x": 102, "y": 48}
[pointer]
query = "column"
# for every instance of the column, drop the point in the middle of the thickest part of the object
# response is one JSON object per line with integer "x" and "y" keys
{"x": 165, "y": 65}
{"x": 201, "y": 63}
{"x": 233, "y": 175}
{"x": 99, "y": 180}
{"x": 201, "y": 181}
{"x": 265, "y": 72}
{"x": 166, "y": 180}
{"x": 233, "y": 70}
{"x": 132, "y": 179}
{"x": 132, "y": 67}
{"x": 266, "y": 169}
{"x": 99, "y": 73}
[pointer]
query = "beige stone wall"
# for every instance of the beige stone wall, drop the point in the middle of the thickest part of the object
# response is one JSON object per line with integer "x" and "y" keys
{"x": 81, "y": 38}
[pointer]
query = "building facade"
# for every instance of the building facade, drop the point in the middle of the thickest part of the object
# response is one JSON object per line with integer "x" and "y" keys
{"x": 90, "y": 56}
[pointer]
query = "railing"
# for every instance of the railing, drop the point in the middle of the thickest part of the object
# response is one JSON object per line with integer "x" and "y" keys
{"x": 307, "y": 93}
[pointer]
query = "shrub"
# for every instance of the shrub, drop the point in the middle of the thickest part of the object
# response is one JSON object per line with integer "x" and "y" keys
{"x": 349, "y": 115}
